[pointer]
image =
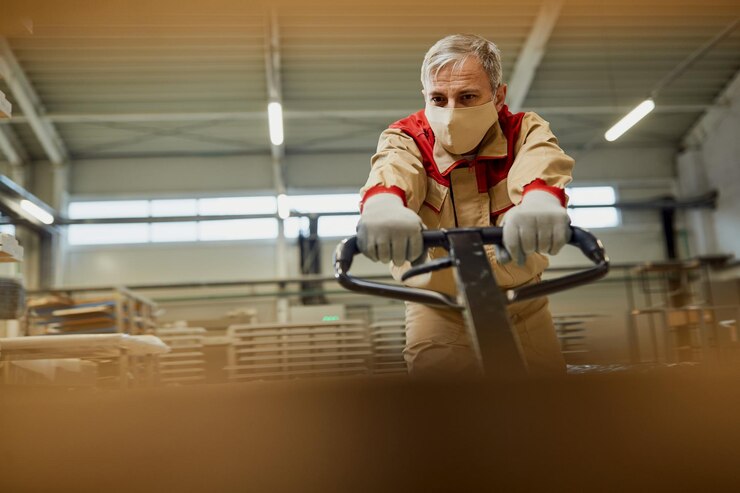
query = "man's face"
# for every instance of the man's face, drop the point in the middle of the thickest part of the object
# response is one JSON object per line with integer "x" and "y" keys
{"x": 464, "y": 87}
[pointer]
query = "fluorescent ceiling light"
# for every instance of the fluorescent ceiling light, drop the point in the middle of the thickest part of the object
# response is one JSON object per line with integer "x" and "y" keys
{"x": 37, "y": 212}
{"x": 629, "y": 120}
{"x": 275, "y": 117}
{"x": 283, "y": 206}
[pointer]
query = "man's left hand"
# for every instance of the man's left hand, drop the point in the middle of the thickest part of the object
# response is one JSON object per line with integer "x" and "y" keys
{"x": 538, "y": 224}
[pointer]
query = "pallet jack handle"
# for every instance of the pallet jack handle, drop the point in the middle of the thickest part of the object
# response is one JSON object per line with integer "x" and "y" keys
{"x": 589, "y": 245}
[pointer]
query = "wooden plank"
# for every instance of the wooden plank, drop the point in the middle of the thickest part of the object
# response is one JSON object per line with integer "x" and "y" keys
{"x": 191, "y": 362}
{"x": 348, "y": 330}
{"x": 299, "y": 348}
{"x": 182, "y": 370}
{"x": 306, "y": 355}
{"x": 399, "y": 338}
{"x": 186, "y": 354}
{"x": 298, "y": 364}
{"x": 344, "y": 323}
{"x": 287, "y": 341}
{"x": 50, "y": 301}
{"x": 76, "y": 322}
{"x": 81, "y": 311}
{"x": 332, "y": 371}
{"x": 388, "y": 331}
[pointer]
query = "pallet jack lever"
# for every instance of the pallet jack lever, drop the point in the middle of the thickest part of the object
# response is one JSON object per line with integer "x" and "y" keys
{"x": 431, "y": 266}
{"x": 589, "y": 245}
{"x": 482, "y": 303}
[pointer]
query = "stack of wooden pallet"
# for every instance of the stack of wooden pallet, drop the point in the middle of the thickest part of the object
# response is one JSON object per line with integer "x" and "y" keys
{"x": 571, "y": 332}
{"x": 120, "y": 311}
{"x": 279, "y": 351}
{"x": 185, "y": 363}
{"x": 389, "y": 339}
{"x": 62, "y": 315}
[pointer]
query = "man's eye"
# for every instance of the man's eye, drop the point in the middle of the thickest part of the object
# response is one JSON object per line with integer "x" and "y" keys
{"x": 437, "y": 99}
{"x": 469, "y": 96}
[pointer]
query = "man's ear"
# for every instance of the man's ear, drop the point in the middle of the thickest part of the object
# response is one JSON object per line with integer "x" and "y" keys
{"x": 424, "y": 95}
{"x": 500, "y": 98}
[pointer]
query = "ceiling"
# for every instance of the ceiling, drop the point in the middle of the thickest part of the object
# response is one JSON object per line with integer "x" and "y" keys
{"x": 188, "y": 78}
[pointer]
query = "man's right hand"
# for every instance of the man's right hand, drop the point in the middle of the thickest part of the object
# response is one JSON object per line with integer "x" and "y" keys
{"x": 388, "y": 230}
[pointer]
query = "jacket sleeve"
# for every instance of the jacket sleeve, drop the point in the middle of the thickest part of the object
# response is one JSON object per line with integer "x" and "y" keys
{"x": 397, "y": 168}
{"x": 540, "y": 164}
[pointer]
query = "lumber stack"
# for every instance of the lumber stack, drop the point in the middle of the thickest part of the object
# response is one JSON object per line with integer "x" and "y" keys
{"x": 119, "y": 311}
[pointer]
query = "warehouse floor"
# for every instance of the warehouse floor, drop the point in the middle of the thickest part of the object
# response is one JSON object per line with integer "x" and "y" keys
{"x": 671, "y": 430}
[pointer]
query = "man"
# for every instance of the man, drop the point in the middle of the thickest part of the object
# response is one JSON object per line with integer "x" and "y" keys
{"x": 466, "y": 161}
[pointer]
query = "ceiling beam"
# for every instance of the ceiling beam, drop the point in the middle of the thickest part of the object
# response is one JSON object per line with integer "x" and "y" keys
{"x": 532, "y": 52}
{"x": 11, "y": 147}
{"x": 261, "y": 116}
{"x": 30, "y": 104}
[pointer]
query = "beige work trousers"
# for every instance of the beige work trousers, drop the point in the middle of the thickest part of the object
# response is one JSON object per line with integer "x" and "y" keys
{"x": 438, "y": 344}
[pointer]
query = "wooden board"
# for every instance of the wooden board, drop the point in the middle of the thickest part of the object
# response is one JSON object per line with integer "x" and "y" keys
{"x": 82, "y": 311}
{"x": 77, "y": 322}
{"x": 50, "y": 301}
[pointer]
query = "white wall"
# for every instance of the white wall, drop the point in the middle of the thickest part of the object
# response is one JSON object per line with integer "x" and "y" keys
{"x": 158, "y": 176}
{"x": 713, "y": 162}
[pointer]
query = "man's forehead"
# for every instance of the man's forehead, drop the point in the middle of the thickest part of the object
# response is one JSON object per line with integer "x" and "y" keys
{"x": 469, "y": 73}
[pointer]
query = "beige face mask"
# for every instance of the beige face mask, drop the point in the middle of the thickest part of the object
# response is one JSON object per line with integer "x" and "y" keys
{"x": 460, "y": 130}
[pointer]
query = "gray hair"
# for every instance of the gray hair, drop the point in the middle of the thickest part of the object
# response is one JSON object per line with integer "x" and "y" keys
{"x": 456, "y": 49}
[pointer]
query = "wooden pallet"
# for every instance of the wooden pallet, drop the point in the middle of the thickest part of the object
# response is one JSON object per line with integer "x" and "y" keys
{"x": 185, "y": 363}
{"x": 298, "y": 350}
{"x": 389, "y": 339}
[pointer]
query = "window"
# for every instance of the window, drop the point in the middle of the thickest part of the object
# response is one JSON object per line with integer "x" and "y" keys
{"x": 174, "y": 232}
{"x": 238, "y": 229}
{"x": 107, "y": 234}
{"x": 224, "y": 206}
{"x": 346, "y": 202}
{"x": 174, "y": 207}
{"x": 214, "y": 230}
{"x": 108, "y": 209}
{"x": 294, "y": 225}
{"x": 593, "y": 217}
{"x": 338, "y": 226}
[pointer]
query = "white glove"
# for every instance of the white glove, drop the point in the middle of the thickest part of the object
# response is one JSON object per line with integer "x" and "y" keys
{"x": 388, "y": 230}
{"x": 539, "y": 224}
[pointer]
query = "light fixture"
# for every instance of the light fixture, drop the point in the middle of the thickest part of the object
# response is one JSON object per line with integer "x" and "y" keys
{"x": 629, "y": 120}
{"x": 283, "y": 206}
{"x": 275, "y": 118}
{"x": 37, "y": 212}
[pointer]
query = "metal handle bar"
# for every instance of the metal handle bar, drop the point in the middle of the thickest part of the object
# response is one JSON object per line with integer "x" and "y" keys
{"x": 589, "y": 245}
